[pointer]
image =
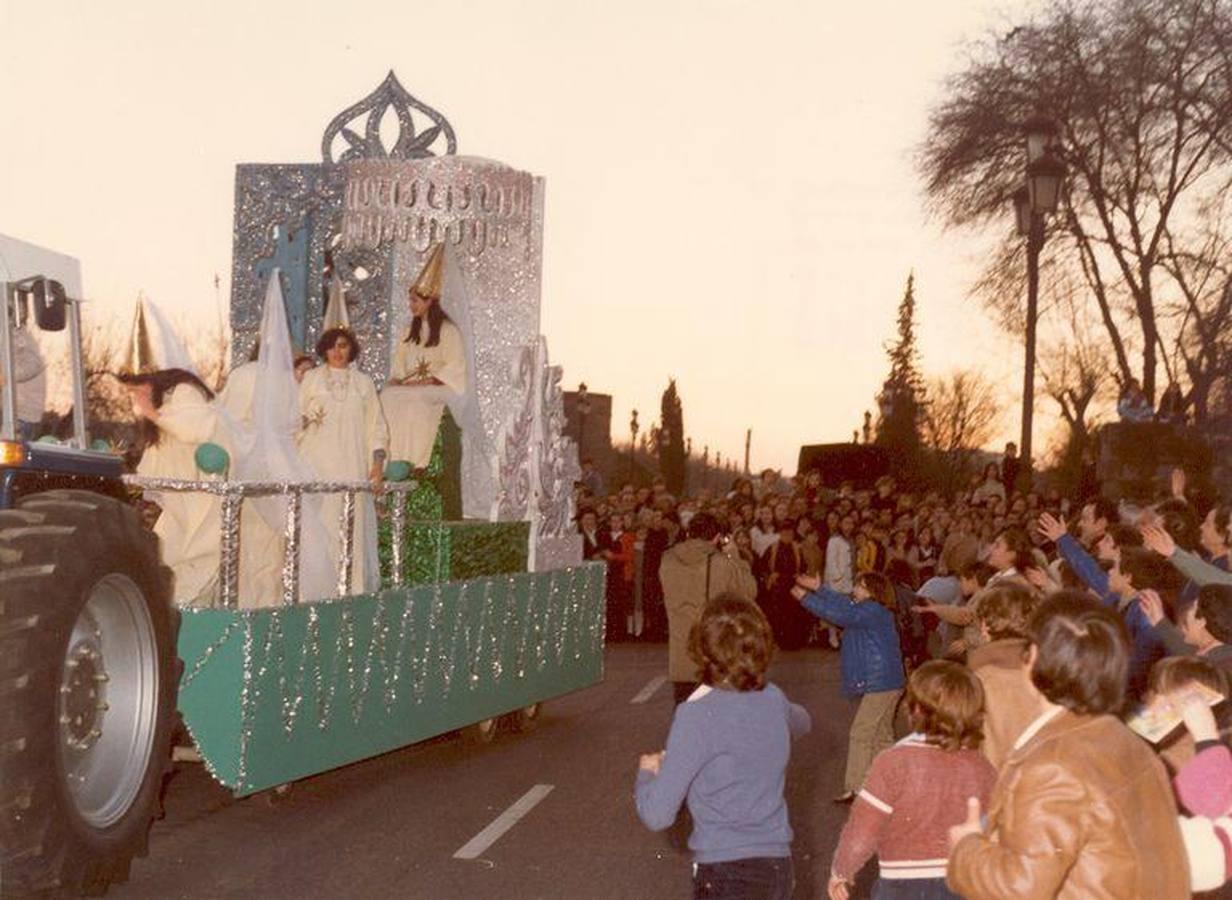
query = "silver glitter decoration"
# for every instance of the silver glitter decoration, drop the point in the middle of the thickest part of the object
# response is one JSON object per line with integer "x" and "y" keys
{"x": 369, "y": 214}
{"x": 233, "y": 493}
{"x": 190, "y": 674}
{"x": 290, "y": 559}
{"x": 248, "y": 698}
{"x": 346, "y": 527}
{"x": 397, "y": 522}
{"x": 390, "y": 96}
{"x": 229, "y": 550}
{"x": 470, "y": 627}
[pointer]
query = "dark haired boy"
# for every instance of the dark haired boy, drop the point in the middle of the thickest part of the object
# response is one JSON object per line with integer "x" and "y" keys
{"x": 727, "y": 756}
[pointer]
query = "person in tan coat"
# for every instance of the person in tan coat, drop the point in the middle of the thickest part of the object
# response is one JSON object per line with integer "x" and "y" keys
{"x": 691, "y": 573}
{"x": 1011, "y": 702}
{"x": 1083, "y": 808}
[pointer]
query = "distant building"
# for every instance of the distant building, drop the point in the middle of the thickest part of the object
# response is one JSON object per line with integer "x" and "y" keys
{"x": 590, "y": 426}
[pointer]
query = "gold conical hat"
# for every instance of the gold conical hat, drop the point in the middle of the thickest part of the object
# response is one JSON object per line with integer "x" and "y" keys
{"x": 428, "y": 284}
{"x": 139, "y": 360}
{"x": 335, "y": 308}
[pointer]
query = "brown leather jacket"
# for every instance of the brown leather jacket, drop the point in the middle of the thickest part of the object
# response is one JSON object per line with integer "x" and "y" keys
{"x": 1010, "y": 701}
{"x": 1083, "y": 809}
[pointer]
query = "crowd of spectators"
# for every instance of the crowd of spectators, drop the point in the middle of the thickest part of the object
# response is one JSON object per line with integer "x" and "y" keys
{"x": 788, "y": 527}
{"x": 1089, "y": 642}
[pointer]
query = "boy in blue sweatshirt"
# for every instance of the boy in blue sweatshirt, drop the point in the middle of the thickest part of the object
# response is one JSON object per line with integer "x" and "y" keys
{"x": 1134, "y": 571}
{"x": 727, "y": 754}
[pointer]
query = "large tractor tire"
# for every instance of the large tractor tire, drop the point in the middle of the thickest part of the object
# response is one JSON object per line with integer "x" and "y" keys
{"x": 88, "y": 683}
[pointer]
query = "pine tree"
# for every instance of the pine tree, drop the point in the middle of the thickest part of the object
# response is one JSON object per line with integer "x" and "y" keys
{"x": 671, "y": 441}
{"x": 902, "y": 396}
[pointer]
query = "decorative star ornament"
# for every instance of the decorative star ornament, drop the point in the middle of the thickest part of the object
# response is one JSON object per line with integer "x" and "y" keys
{"x": 423, "y": 370}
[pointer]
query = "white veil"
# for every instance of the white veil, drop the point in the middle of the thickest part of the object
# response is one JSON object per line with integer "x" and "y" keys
{"x": 268, "y": 452}
{"x": 478, "y": 473}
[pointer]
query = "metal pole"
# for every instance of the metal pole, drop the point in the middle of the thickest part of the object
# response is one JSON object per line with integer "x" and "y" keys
{"x": 8, "y": 394}
{"x": 1035, "y": 243}
{"x": 80, "y": 437}
{"x": 748, "y": 442}
{"x": 229, "y": 548}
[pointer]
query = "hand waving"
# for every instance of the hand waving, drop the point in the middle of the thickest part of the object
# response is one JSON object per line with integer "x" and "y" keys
{"x": 1152, "y": 606}
{"x": 1051, "y": 527}
{"x": 1155, "y": 538}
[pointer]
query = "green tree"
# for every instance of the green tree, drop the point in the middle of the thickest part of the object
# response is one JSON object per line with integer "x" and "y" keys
{"x": 902, "y": 397}
{"x": 671, "y": 440}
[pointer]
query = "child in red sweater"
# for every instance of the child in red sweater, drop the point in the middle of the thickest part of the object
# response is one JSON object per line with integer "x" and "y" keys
{"x": 918, "y": 789}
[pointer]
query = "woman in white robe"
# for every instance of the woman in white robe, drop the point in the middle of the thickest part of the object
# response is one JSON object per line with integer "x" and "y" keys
{"x": 178, "y": 415}
{"x": 345, "y": 438}
{"x": 429, "y": 363}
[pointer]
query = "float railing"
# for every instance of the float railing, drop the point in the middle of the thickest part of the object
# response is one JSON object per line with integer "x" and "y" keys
{"x": 234, "y": 493}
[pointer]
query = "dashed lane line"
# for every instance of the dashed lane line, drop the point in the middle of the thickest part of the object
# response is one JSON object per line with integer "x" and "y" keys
{"x": 502, "y": 823}
{"x": 648, "y": 691}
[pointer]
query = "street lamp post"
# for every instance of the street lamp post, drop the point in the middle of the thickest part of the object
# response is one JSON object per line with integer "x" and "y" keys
{"x": 633, "y": 429}
{"x": 583, "y": 410}
{"x": 1032, "y": 202}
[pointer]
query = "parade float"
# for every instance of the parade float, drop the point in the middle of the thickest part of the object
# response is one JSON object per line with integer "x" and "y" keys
{"x": 485, "y": 608}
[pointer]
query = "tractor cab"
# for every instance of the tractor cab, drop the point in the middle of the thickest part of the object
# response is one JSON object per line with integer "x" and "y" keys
{"x": 41, "y": 292}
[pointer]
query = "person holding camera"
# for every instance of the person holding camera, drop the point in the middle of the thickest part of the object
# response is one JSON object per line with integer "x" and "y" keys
{"x": 705, "y": 565}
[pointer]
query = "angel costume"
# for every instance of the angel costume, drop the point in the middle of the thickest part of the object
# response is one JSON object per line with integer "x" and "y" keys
{"x": 189, "y": 527}
{"x": 414, "y": 410}
{"x": 343, "y": 429}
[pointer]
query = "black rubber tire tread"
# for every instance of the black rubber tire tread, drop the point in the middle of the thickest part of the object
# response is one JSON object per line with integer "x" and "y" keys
{"x": 53, "y": 548}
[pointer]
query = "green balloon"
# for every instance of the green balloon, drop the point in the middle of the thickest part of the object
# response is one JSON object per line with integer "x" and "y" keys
{"x": 397, "y": 470}
{"x": 212, "y": 459}
{"x": 99, "y": 445}
{"x": 48, "y": 439}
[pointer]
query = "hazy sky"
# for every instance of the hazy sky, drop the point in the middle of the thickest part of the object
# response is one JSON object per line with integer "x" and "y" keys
{"x": 731, "y": 193}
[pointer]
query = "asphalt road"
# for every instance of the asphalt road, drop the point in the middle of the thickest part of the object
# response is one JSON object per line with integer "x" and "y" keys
{"x": 393, "y": 826}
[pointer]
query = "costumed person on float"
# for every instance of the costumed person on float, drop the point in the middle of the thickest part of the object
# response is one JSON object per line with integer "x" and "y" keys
{"x": 344, "y": 437}
{"x": 429, "y": 365}
{"x": 261, "y": 397}
{"x": 177, "y": 415}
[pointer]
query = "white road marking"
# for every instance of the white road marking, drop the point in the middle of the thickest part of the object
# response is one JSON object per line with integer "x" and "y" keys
{"x": 502, "y": 823}
{"x": 648, "y": 691}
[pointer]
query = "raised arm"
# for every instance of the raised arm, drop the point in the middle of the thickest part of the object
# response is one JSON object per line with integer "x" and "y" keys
{"x": 827, "y": 603}
{"x": 1192, "y": 566}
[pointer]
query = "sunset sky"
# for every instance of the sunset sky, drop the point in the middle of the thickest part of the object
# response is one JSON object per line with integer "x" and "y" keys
{"x": 731, "y": 192}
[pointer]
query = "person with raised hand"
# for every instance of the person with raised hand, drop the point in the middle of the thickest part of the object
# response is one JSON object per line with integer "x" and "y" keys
{"x": 1189, "y": 564}
{"x": 871, "y": 663}
{"x": 1135, "y": 570}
